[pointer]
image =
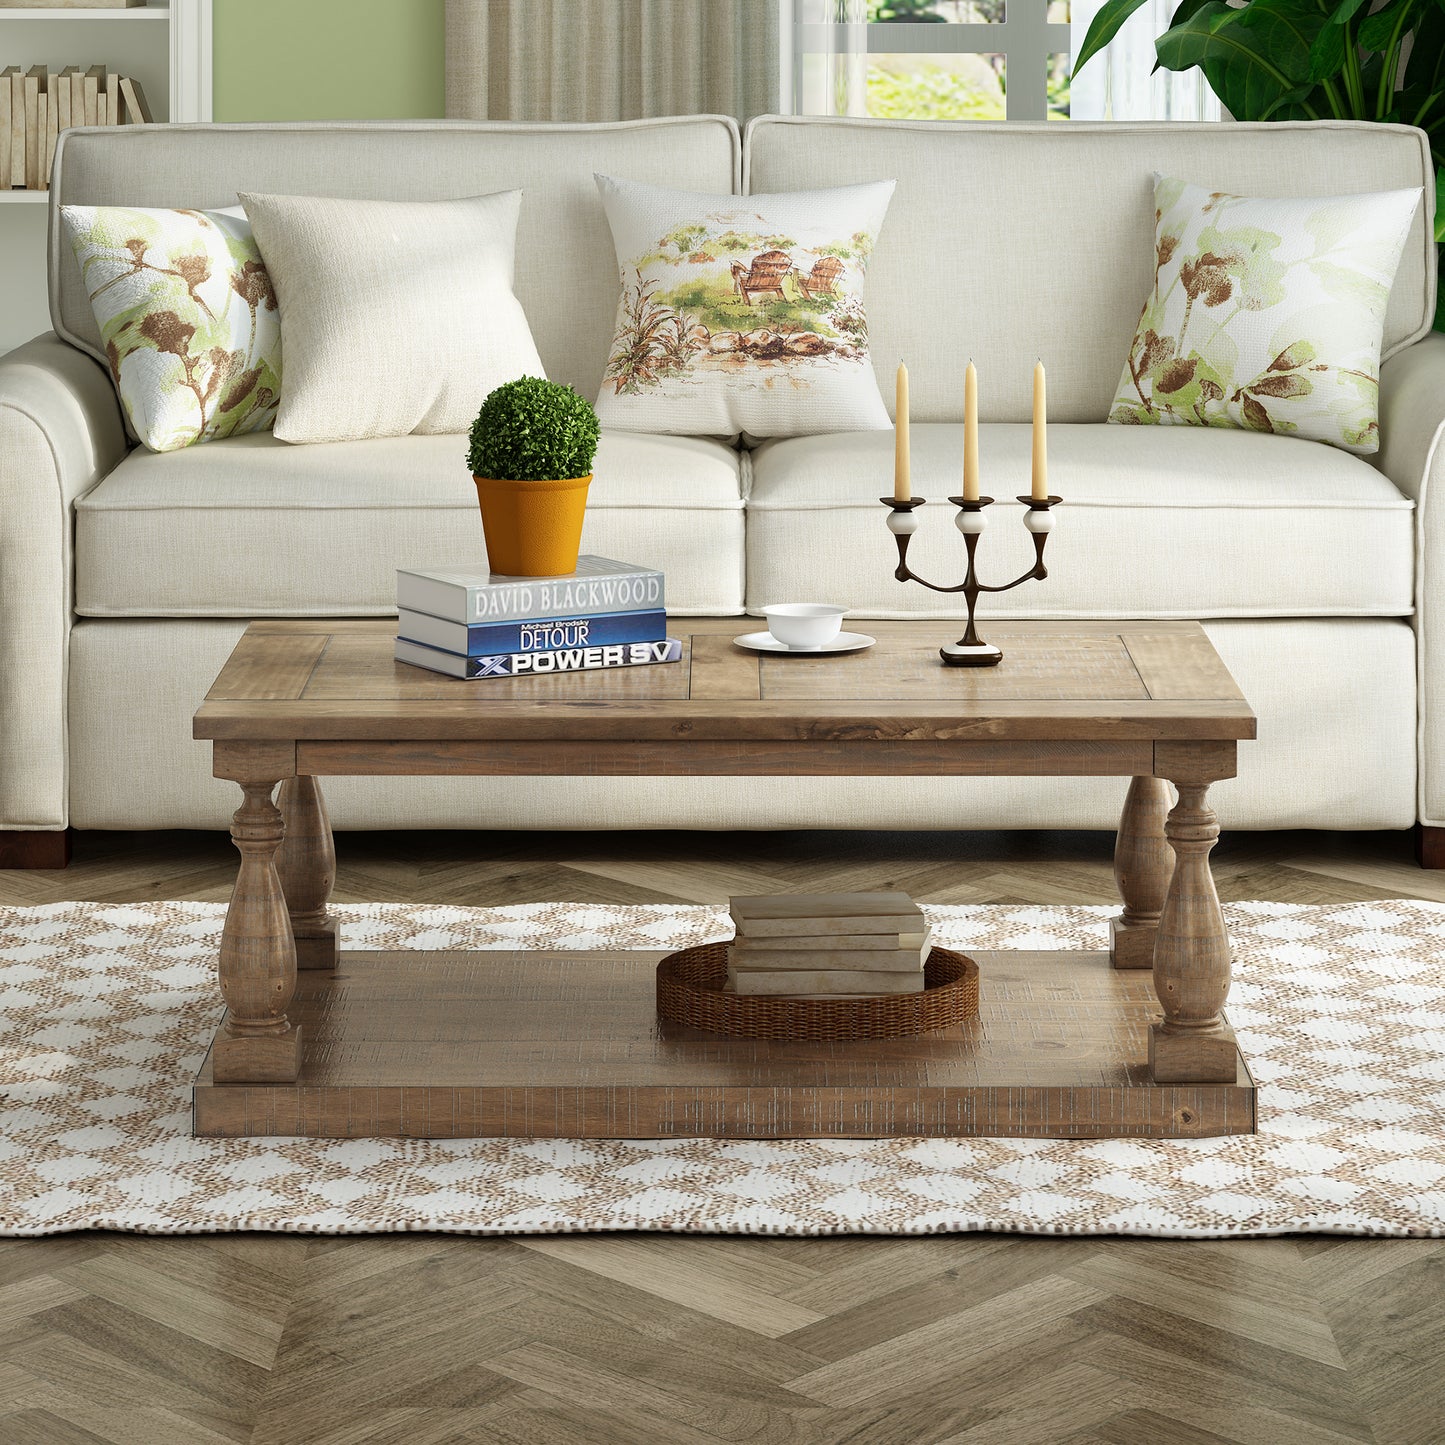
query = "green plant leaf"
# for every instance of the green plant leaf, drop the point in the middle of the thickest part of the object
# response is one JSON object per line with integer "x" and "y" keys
{"x": 1345, "y": 11}
{"x": 1327, "y": 54}
{"x": 1281, "y": 102}
{"x": 1252, "y": 57}
{"x": 1103, "y": 28}
{"x": 1440, "y": 207}
{"x": 1376, "y": 29}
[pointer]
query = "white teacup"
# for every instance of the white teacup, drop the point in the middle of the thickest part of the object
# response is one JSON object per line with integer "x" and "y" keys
{"x": 804, "y": 624}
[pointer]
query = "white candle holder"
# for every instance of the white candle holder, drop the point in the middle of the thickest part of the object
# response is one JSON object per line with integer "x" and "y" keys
{"x": 971, "y": 650}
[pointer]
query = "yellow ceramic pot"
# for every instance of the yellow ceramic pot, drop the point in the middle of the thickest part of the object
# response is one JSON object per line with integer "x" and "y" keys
{"x": 533, "y": 529}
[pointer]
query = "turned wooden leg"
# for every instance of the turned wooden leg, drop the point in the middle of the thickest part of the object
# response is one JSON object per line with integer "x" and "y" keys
{"x": 1143, "y": 864}
{"x": 257, "y": 1043}
{"x": 1191, "y": 956}
{"x": 306, "y": 866}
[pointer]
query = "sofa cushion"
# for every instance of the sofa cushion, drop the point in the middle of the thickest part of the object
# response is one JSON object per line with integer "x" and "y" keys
{"x": 1156, "y": 522}
{"x": 253, "y": 528}
{"x": 1007, "y": 241}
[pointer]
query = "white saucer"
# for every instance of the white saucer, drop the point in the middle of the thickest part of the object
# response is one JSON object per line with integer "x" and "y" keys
{"x": 843, "y": 642}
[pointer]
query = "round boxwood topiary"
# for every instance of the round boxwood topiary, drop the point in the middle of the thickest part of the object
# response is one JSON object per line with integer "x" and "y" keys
{"x": 532, "y": 430}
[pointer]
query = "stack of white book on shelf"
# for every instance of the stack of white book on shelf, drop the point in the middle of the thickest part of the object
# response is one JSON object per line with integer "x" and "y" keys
{"x": 828, "y": 945}
{"x": 479, "y": 625}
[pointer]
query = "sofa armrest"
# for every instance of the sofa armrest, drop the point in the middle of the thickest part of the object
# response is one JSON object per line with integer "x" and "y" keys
{"x": 1412, "y": 455}
{"x": 60, "y": 432}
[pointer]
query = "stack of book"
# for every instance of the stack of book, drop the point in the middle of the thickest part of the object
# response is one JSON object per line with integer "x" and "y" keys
{"x": 605, "y": 614}
{"x": 36, "y": 105}
{"x": 828, "y": 945}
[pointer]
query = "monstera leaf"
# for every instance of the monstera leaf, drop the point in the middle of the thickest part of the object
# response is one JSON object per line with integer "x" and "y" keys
{"x": 1256, "y": 59}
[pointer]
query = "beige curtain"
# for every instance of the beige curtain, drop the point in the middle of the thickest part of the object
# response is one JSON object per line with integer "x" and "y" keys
{"x": 590, "y": 60}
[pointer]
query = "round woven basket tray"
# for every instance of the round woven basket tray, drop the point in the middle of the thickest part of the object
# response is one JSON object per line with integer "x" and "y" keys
{"x": 690, "y": 991}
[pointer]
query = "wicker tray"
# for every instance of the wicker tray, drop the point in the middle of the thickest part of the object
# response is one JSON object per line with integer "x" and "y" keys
{"x": 690, "y": 992}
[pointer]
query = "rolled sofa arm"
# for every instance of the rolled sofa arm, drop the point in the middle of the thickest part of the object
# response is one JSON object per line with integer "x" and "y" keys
{"x": 1412, "y": 455}
{"x": 60, "y": 433}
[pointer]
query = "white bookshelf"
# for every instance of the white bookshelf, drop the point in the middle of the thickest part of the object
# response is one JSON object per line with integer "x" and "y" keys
{"x": 166, "y": 46}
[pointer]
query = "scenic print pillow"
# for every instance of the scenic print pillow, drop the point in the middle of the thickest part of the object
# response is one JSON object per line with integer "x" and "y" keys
{"x": 742, "y": 314}
{"x": 1266, "y": 314}
{"x": 188, "y": 318}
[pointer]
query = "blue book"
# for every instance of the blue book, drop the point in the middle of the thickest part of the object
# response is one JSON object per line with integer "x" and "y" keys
{"x": 538, "y": 664}
{"x": 552, "y": 634}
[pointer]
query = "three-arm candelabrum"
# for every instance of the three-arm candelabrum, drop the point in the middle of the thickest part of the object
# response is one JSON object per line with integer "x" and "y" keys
{"x": 971, "y": 650}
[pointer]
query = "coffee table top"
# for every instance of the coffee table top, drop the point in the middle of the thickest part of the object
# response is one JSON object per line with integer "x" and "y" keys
{"x": 1072, "y": 681}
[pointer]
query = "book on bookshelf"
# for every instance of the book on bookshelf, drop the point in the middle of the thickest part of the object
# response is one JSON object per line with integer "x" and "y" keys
{"x": 538, "y": 664}
{"x": 599, "y": 585}
{"x": 489, "y": 639}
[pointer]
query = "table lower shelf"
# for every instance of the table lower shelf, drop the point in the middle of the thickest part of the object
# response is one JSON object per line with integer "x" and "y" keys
{"x": 568, "y": 1045}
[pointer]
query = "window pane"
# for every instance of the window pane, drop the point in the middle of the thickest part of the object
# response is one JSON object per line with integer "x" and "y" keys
{"x": 1059, "y": 70}
{"x": 1059, "y": 12}
{"x": 936, "y": 87}
{"x": 960, "y": 12}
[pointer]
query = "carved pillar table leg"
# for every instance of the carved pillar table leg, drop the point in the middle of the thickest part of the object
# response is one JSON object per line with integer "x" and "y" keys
{"x": 257, "y": 1043}
{"x": 1192, "y": 956}
{"x": 306, "y": 866}
{"x": 1143, "y": 863}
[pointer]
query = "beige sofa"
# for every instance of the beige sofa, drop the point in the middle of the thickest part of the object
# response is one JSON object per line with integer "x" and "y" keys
{"x": 125, "y": 577}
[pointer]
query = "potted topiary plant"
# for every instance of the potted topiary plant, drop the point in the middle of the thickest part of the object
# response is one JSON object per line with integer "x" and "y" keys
{"x": 531, "y": 454}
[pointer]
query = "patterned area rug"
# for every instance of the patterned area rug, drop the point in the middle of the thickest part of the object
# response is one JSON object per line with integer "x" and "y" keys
{"x": 105, "y": 1013}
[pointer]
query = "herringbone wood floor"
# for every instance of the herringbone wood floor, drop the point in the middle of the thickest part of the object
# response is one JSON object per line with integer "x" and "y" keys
{"x": 413, "y": 1340}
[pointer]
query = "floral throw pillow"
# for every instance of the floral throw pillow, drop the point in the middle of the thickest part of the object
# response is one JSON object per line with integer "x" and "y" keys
{"x": 742, "y": 314}
{"x": 188, "y": 317}
{"x": 1266, "y": 314}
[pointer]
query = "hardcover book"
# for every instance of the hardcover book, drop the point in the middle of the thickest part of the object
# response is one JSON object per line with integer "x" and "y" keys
{"x": 489, "y": 639}
{"x": 746, "y": 955}
{"x": 822, "y": 914}
{"x": 538, "y": 664}
{"x": 598, "y": 585}
{"x": 823, "y": 983}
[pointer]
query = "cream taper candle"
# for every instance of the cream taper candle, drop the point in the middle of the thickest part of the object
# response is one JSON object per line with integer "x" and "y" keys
{"x": 1041, "y": 441}
{"x": 902, "y": 480}
{"x": 970, "y": 434}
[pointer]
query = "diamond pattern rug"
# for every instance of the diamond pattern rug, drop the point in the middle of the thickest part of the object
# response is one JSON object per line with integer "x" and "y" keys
{"x": 105, "y": 1013}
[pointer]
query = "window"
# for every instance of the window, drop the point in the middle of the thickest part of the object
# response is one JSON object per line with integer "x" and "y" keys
{"x": 932, "y": 59}
{"x": 981, "y": 60}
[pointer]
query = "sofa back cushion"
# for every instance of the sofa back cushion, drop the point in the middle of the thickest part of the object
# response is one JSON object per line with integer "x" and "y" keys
{"x": 1009, "y": 242}
{"x": 566, "y": 272}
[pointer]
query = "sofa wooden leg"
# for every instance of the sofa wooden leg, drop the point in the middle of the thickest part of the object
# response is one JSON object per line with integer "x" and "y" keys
{"x": 1430, "y": 846}
{"x": 36, "y": 849}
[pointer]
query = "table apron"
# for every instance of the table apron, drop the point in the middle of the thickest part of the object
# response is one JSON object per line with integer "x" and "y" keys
{"x": 892, "y": 758}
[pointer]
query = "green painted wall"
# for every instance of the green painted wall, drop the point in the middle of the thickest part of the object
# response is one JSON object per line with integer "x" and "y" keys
{"x": 329, "y": 59}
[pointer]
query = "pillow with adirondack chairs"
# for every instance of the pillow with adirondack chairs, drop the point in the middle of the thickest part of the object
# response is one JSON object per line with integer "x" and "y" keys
{"x": 742, "y": 314}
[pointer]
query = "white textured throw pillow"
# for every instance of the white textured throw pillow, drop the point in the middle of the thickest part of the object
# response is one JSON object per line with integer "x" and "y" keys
{"x": 742, "y": 313}
{"x": 1266, "y": 314}
{"x": 397, "y": 316}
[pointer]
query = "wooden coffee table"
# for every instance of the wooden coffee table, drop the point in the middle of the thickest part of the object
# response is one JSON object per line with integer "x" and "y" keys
{"x": 456, "y": 1044}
